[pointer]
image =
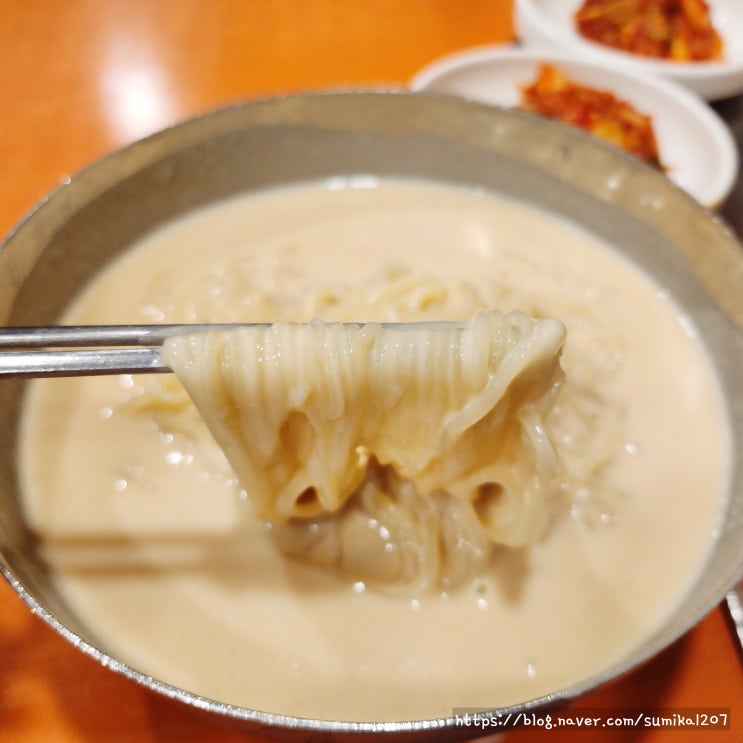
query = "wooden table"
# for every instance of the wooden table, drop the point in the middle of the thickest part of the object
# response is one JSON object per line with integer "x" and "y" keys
{"x": 82, "y": 77}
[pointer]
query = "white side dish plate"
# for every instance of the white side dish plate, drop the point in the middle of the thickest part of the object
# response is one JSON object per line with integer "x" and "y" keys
{"x": 696, "y": 147}
{"x": 548, "y": 25}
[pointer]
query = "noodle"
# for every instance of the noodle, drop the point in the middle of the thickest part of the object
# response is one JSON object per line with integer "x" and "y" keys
{"x": 303, "y": 413}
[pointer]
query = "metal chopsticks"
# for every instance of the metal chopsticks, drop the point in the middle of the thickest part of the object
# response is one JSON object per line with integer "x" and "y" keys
{"x": 89, "y": 349}
{"x": 107, "y": 349}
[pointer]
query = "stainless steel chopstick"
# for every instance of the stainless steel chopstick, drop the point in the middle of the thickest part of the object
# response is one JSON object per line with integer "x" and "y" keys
{"x": 77, "y": 362}
{"x": 26, "y": 360}
{"x": 99, "y": 335}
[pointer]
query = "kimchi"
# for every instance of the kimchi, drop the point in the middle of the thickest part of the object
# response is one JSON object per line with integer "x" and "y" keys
{"x": 678, "y": 30}
{"x": 598, "y": 112}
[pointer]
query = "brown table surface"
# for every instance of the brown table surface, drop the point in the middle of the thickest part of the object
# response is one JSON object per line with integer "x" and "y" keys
{"x": 82, "y": 77}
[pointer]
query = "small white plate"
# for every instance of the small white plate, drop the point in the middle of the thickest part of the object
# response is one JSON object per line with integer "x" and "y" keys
{"x": 549, "y": 25}
{"x": 696, "y": 147}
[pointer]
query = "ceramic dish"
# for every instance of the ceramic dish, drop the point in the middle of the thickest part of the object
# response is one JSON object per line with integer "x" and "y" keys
{"x": 695, "y": 145}
{"x": 548, "y": 24}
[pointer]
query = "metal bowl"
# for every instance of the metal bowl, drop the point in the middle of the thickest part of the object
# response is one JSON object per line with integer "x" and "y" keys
{"x": 104, "y": 209}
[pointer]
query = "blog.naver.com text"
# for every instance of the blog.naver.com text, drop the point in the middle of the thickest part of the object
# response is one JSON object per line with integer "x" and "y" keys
{"x": 681, "y": 718}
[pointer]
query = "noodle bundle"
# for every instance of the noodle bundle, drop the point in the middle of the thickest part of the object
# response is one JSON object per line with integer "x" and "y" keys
{"x": 432, "y": 433}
